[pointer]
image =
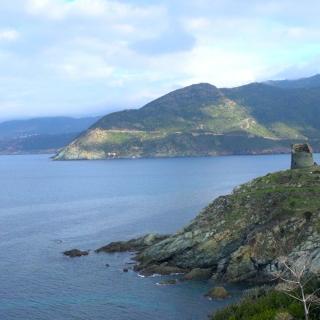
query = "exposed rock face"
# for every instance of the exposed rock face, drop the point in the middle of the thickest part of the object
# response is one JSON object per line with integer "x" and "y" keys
{"x": 198, "y": 274}
{"x": 132, "y": 245}
{"x": 161, "y": 269}
{"x": 239, "y": 237}
{"x": 301, "y": 156}
{"x": 75, "y": 253}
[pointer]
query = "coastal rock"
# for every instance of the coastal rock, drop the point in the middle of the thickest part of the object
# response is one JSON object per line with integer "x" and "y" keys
{"x": 162, "y": 269}
{"x": 240, "y": 237}
{"x": 132, "y": 245}
{"x": 218, "y": 293}
{"x": 75, "y": 253}
{"x": 198, "y": 274}
{"x": 168, "y": 282}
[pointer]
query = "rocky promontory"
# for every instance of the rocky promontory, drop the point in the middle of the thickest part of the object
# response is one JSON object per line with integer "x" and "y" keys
{"x": 241, "y": 236}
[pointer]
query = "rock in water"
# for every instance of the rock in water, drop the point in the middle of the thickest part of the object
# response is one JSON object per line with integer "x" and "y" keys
{"x": 162, "y": 269}
{"x": 75, "y": 253}
{"x": 218, "y": 293}
{"x": 168, "y": 282}
{"x": 301, "y": 156}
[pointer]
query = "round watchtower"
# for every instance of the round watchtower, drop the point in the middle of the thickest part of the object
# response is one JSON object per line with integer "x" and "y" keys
{"x": 301, "y": 156}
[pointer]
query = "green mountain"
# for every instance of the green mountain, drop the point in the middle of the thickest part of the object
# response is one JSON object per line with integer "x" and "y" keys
{"x": 202, "y": 120}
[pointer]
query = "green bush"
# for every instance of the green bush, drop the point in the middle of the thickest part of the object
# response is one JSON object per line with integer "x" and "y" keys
{"x": 296, "y": 310}
{"x": 264, "y": 307}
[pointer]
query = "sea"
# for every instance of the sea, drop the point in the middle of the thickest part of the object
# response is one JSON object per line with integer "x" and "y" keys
{"x": 47, "y": 207}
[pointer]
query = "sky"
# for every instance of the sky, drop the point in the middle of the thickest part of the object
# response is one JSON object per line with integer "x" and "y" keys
{"x": 92, "y": 57}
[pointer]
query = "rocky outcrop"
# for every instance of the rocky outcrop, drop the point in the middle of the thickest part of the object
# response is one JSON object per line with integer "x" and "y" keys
{"x": 160, "y": 269}
{"x": 239, "y": 237}
{"x": 75, "y": 253}
{"x": 138, "y": 244}
{"x": 198, "y": 274}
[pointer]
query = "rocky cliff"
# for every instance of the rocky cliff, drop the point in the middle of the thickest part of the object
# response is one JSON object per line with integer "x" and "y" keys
{"x": 240, "y": 236}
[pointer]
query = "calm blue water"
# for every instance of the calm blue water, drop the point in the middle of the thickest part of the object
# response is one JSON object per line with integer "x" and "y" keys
{"x": 47, "y": 207}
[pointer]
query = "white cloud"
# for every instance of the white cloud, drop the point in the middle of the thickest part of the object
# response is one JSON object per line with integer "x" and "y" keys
{"x": 122, "y": 53}
{"x": 111, "y": 9}
{"x": 9, "y": 35}
{"x": 80, "y": 66}
{"x": 59, "y": 9}
{"x": 221, "y": 68}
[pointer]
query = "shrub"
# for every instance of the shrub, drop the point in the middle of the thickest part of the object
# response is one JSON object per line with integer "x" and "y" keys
{"x": 269, "y": 306}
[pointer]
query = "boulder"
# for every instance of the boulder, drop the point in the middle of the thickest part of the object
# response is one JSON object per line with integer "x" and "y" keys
{"x": 218, "y": 293}
{"x": 75, "y": 253}
{"x": 168, "y": 282}
{"x": 162, "y": 269}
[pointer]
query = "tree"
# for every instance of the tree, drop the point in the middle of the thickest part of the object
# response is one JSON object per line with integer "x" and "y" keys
{"x": 295, "y": 277}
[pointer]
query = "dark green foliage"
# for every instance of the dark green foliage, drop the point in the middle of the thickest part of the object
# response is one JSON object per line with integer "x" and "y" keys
{"x": 265, "y": 307}
{"x": 178, "y": 109}
{"x": 269, "y": 104}
{"x": 292, "y": 203}
{"x": 296, "y": 310}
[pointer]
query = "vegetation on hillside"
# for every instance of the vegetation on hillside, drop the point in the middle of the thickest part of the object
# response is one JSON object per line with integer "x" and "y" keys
{"x": 202, "y": 120}
{"x": 267, "y": 304}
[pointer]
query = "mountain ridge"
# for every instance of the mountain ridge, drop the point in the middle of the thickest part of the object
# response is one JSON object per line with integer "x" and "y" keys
{"x": 306, "y": 82}
{"x": 203, "y": 120}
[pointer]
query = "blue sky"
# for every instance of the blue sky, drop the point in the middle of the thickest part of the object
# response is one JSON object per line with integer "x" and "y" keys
{"x": 88, "y": 57}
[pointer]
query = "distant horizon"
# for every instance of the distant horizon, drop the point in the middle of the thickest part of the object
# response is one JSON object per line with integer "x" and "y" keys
{"x": 97, "y": 115}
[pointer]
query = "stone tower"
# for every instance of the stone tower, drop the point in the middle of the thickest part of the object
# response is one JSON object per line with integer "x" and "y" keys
{"x": 301, "y": 156}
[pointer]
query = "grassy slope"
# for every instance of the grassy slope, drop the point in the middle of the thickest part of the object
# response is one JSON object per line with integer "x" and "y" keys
{"x": 197, "y": 120}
